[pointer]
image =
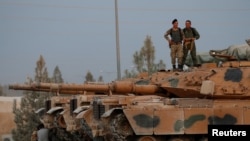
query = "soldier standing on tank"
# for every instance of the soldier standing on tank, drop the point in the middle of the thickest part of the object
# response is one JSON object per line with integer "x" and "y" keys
{"x": 191, "y": 34}
{"x": 175, "y": 44}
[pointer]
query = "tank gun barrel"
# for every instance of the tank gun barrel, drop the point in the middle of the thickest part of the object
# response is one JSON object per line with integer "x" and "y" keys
{"x": 120, "y": 87}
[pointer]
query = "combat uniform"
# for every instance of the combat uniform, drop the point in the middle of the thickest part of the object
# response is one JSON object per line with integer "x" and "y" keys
{"x": 175, "y": 46}
{"x": 189, "y": 44}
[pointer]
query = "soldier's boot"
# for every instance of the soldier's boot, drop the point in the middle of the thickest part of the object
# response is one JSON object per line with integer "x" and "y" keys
{"x": 180, "y": 67}
{"x": 174, "y": 68}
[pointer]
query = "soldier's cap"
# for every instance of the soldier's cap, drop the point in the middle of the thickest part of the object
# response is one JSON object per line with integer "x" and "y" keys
{"x": 175, "y": 20}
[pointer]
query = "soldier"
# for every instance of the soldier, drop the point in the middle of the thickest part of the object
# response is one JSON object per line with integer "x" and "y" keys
{"x": 175, "y": 44}
{"x": 191, "y": 34}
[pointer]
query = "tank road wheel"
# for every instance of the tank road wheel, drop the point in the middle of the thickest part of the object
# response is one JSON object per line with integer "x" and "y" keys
{"x": 147, "y": 138}
{"x": 203, "y": 139}
{"x": 181, "y": 138}
{"x": 176, "y": 139}
{"x": 120, "y": 128}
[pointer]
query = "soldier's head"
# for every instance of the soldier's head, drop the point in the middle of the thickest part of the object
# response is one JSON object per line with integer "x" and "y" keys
{"x": 175, "y": 23}
{"x": 188, "y": 23}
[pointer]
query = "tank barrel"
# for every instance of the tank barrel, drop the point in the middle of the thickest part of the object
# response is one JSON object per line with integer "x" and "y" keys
{"x": 115, "y": 87}
{"x": 61, "y": 88}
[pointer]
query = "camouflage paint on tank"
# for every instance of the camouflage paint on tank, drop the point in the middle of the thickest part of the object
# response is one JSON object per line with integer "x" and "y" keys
{"x": 173, "y": 82}
{"x": 233, "y": 74}
{"x": 146, "y": 121}
{"x": 178, "y": 125}
{"x": 188, "y": 122}
{"x": 192, "y": 119}
{"x": 227, "y": 119}
{"x": 142, "y": 82}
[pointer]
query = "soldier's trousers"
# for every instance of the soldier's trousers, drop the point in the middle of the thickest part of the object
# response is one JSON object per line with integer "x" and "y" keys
{"x": 186, "y": 48}
{"x": 176, "y": 52}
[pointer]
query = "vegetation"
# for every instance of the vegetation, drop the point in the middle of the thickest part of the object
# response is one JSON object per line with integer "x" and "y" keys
{"x": 1, "y": 90}
{"x": 100, "y": 79}
{"x": 57, "y": 76}
{"x": 25, "y": 117}
{"x": 144, "y": 60}
{"x": 89, "y": 77}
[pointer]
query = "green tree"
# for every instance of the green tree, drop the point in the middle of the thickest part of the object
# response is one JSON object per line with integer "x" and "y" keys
{"x": 41, "y": 72}
{"x": 100, "y": 79}
{"x": 89, "y": 77}
{"x": 25, "y": 117}
{"x": 161, "y": 65}
{"x": 144, "y": 60}
{"x": 57, "y": 76}
{"x": 130, "y": 74}
{"x": 1, "y": 90}
{"x": 148, "y": 55}
{"x": 138, "y": 61}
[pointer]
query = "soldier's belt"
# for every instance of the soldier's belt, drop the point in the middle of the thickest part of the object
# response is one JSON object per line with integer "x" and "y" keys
{"x": 175, "y": 43}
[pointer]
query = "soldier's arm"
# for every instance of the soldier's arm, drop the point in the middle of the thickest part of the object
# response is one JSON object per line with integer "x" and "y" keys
{"x": 166, "y": 35}
{"x": 183, "y": 35}
{"x": 197, "y": 35}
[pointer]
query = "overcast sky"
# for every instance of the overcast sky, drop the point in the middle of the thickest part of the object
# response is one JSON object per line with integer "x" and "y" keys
{"x": 79, "y": 35}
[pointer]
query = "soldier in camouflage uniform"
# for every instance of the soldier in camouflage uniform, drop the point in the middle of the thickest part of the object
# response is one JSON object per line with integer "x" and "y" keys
{"x": 175, "y": 44}
{"x": 191, "y": 34}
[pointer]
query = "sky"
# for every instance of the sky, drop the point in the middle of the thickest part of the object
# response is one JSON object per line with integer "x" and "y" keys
{"x": 80, "y": 35}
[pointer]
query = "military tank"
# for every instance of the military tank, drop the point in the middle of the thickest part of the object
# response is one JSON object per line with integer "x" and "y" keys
{"x": 166, "y": 105}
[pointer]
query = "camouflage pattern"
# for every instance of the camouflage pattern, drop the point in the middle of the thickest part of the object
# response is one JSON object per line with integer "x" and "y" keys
{"x": 189, "y": 44}
{"x": 176, "y": 53}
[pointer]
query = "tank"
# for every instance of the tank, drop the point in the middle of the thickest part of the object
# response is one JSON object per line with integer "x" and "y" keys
{"x": 167, "y": 105}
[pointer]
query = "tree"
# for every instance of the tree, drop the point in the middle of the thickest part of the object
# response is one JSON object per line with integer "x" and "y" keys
{"x": 148, "y": 54}
{"x": 25, "y": 117}
{"x": 129, "y": 74}
{"x": 89, "y": 77}
{"x": 100, "y": 79}
{"x": 41, "y": 73}
{"x": 161, "y": 65}
{"x": 138, "y": 61}
{"x": 144, "y": 60}
{"x": 57, "y": 76}
{"x": 1, "y": 90}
